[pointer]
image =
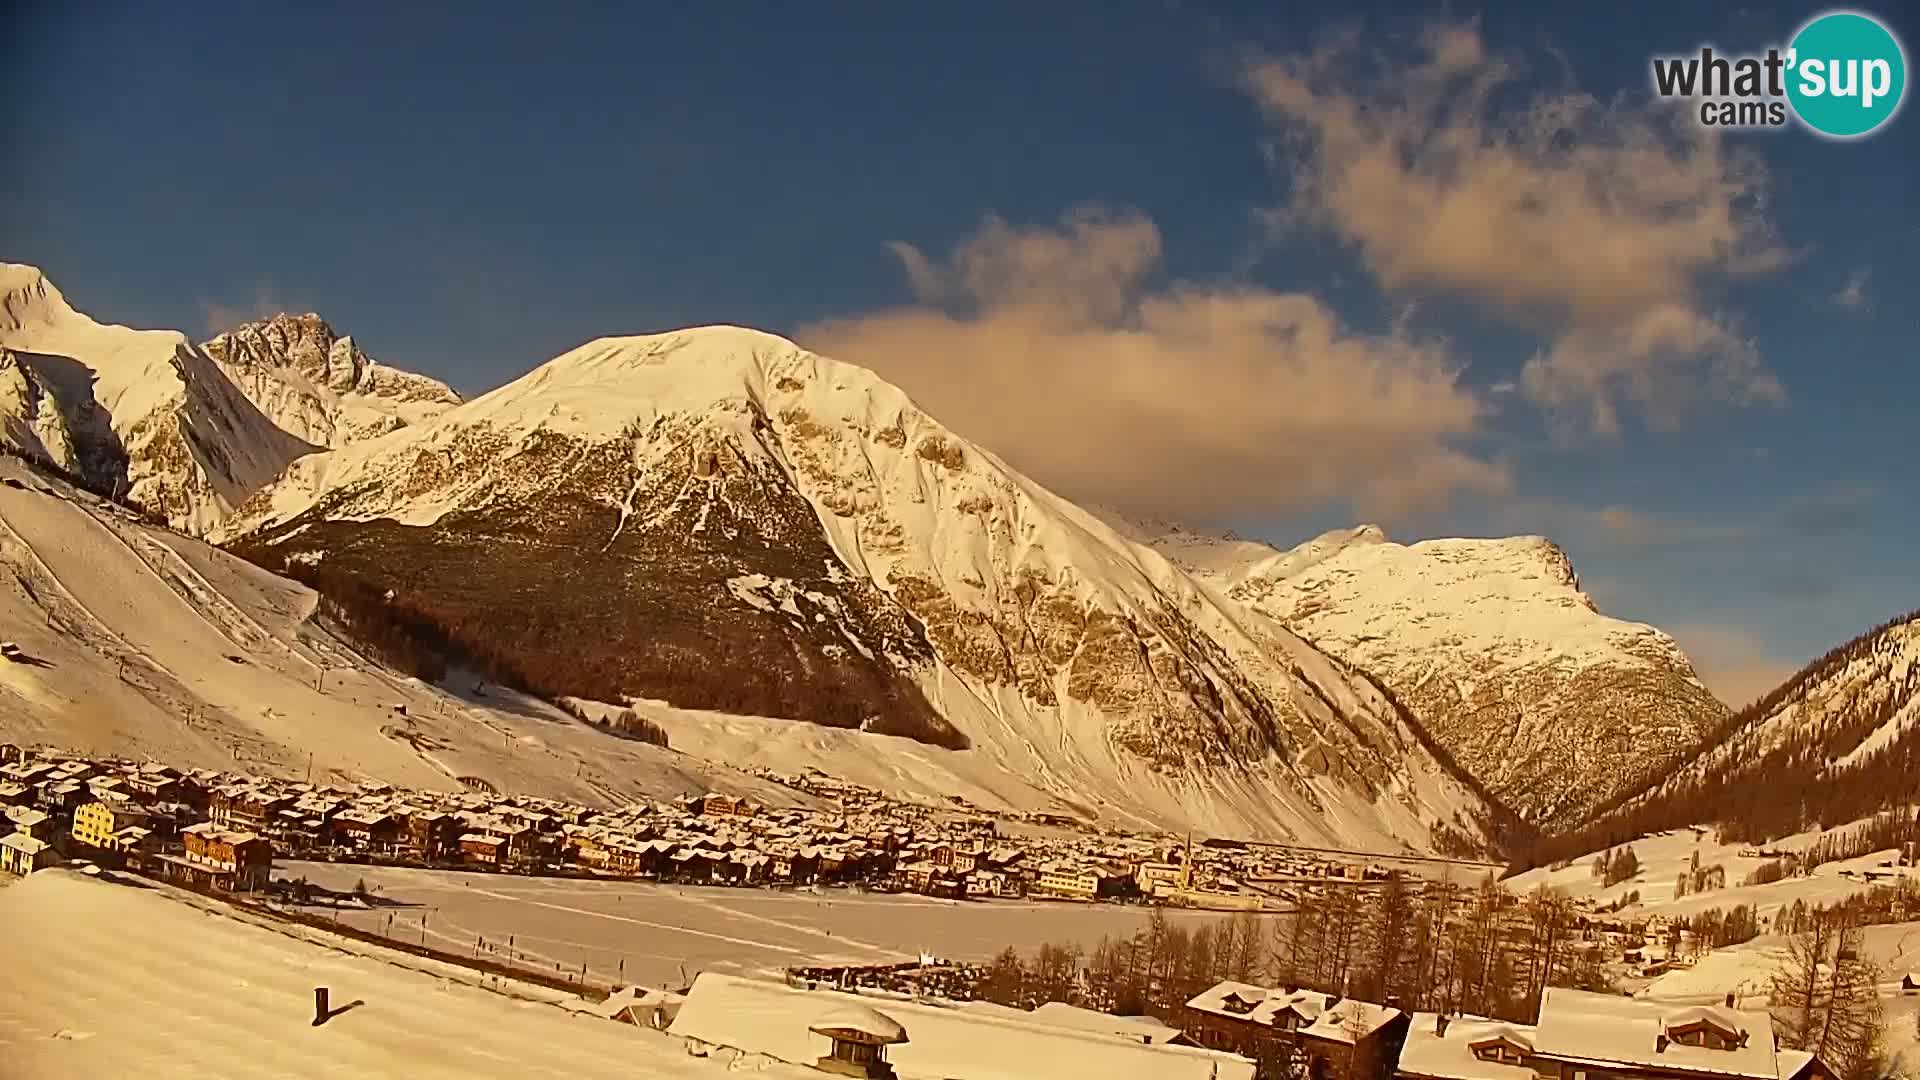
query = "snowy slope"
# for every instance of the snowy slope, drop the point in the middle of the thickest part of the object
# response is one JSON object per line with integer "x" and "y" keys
{"x": 143, "y": 413}
{"x": 1494, "y": 647}
{"x": 320, "y": 386}
{"x": 1859, "y": 702}
{"x": 735, "y": 482}
{"x": 206, "y": 991}
{"x": 149, "y": 644}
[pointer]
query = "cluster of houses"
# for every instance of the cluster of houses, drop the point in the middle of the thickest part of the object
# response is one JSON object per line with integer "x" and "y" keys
{"x": 221, "y": 830}
{"x": 1233, "y": 1030}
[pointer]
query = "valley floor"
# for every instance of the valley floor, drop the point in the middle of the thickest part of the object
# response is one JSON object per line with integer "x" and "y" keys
{"x": 663, "y": 935}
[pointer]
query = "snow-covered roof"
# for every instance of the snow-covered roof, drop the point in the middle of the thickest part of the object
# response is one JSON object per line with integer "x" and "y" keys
{"x": 864, "y": 1019}
{"x": 1350, "y": 1019}
{"x": 1427, "y": 1053}
{"x": 1266, "y": 1003}
{"x": 1579, "y": 1026}
{"x": 1146, "y": 1029}
{"x": 771, "y": 1019}
{"x": 23, "y": 843}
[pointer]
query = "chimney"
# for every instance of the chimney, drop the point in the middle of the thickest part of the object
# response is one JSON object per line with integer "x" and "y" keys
{"x": 1729, "y": 1001}
{"x": 1660, "y": 1043}
{"x": 1440, "y": 1025}
{"x": 319, "y": 1005}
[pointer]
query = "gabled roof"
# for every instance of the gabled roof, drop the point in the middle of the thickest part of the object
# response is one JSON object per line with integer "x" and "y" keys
{"x": 769, "y": 1018}
{"x": 1599, "y": 1028}
{"x": 1429, "y": 1054}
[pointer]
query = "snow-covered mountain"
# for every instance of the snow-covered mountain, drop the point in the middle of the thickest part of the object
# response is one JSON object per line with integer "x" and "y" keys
{"x": 720, "y": 518}
{"x": 320, "y": 386}
{"x": 1554, "y": 706}
{"x": 141, "y": 413}
{"x": 1850, "y": 718}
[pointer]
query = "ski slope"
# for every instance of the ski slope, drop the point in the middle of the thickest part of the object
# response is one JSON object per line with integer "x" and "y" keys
{"x": 202, "y": 991}
{"x": 146, "y": 643}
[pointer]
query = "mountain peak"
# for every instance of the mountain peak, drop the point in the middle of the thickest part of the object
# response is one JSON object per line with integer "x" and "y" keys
{"x": 320, "y": 385}
{"x": 28, "y": 298}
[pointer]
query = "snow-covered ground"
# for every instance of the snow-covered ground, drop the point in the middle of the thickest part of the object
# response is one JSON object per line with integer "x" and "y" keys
{"x": 146, "y": 643}
{"x": 200, "y": 992}
{"x": 1746, "y": 970}
{"x": 1665, "y": 856}
{"x": 663, "y": 934}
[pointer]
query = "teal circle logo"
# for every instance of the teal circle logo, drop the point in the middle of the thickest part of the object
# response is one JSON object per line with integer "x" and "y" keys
{"x": 1847, "y": 74}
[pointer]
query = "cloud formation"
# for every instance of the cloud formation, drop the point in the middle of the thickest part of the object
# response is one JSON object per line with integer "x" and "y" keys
{"x": 1853, "y": 295}
{"x": 1050, "y": 346}
{"x": 1601, "y": 224}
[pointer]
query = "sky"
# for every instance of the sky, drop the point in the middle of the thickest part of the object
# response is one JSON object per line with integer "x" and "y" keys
{"x": 1268, "y": 267}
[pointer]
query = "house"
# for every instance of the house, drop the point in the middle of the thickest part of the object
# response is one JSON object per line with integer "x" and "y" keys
{"x": 1351, "y": 1039}
{"x": 96, "y": 823}
{"x": 35, "y": 823}
{"x": 365, "y": 830}
{"x": 1152, "y": 877}
{"x": 1583, "y": 1035}
{"x": 482, "y": 849}
{"x": 220, "y": 859}
{"x": 244, "y": 808}
{"x": 821, "y": 1028}
{"x": 1248, "y": 1019}
{"x": 430, "y": 834}
{"x": 1442, "y": 1047}
{"x": 1066, "y": 883}
{"x": 22, "y": 854}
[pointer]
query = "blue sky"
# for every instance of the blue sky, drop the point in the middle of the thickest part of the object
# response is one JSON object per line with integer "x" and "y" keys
{"x": 1145, "y": 250}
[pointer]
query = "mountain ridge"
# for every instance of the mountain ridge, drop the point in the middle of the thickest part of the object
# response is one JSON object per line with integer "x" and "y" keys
{"x": 1494, "y": 645}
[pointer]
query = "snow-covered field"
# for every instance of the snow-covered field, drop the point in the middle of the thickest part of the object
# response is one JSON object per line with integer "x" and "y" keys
{"x": 133, "y": 981}
{"x": 1746, "y": 971}
{"x": 663, "y": 934}
{"x": 1665, "y": 856}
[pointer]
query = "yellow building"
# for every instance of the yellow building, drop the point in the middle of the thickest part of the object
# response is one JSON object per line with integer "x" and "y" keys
{"x": 95, "y": 824}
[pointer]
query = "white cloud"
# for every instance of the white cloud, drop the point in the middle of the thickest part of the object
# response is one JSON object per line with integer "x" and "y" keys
{"x": 1601, "y": 224}
{"x": 1049, "y": 346}
{"x": 1853, "y": 295}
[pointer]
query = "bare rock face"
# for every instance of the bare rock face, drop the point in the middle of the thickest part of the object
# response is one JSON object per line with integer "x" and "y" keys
{"x": 654, "y": 510}
{"x": 320, "y": 386}
{"x": 1558, "y": 709}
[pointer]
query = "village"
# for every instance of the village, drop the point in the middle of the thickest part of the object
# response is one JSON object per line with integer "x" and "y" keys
{"x": 1171, "y": 1006}
{"x": 223, "y": 830}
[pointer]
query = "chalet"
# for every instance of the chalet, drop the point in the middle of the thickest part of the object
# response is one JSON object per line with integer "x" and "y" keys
{"x": 1442, "y": 1047}
{"x": 428, "y": 834}
{"x": 851, "y": 1035}
{"x": 10, "y": 753}
{"x": 483, "y": 850}
{"x": 22, "y": 854}
{"x": 958, "y": 858}
{"x": 372, "y": 831}
{"x": 1910, "y": 983}
{"x": 1588, "y": 1036}
{"x": 14, "y": 793}
{"x": 1351, "y": 1040}
{"x": 221, "y": 859}
{"x": 154, "y": 783}
{"x": 244, "y": 808}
